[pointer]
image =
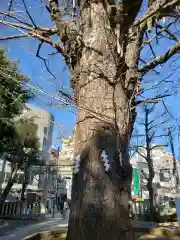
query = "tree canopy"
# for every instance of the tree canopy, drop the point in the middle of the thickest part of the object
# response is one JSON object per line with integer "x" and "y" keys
{"x": 13, "y": 97}
{"x": 24, "y": 146}
{"x": 22, "y": 151}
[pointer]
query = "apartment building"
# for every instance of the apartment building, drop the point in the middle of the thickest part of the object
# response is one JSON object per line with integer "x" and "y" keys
{"x": 164, "y": 182}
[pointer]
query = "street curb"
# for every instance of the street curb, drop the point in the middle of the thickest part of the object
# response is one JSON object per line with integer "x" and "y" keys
{"x": 30, "y": 237}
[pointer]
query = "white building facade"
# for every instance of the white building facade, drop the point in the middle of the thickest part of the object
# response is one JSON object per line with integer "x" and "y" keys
{"x": 164, "y": 181}
{"x": 65, "y": 164}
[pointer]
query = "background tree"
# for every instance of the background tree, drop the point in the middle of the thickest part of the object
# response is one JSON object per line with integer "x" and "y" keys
{"x": 150, "y": 128}
{"x": 27, "y": 132}
{"x": 12, "y": 98}
{"x": 22, "y": 152}
{"x": 106, "y": 47}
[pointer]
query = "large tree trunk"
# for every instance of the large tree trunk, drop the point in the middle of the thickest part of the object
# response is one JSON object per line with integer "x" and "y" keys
{"x": 99, "y": 198}
{"x": 151, "y": 199}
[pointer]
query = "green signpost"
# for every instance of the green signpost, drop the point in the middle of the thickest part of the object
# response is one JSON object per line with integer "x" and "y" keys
{"x": 136, "y": 182}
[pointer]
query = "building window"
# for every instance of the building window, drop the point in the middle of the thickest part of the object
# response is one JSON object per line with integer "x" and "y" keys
{"x": 45, "y": 131}
{"x": 165, "y": 175}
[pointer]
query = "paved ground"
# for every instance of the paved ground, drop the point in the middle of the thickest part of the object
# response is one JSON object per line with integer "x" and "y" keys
{"x": 144, "y": 224}
{"x": 18, "y": 230}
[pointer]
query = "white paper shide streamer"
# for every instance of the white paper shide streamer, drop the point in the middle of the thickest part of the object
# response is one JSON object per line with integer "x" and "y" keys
{"x": 77, "y": 164}
{"x": 105, "y": 160}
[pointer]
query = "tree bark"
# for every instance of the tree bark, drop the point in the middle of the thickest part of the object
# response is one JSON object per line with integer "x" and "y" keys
{"x": 25, "y": 182}
{"x": 150, "y": 165}
{"x": 100, "y": 199}
{"x": 151, "y": 198}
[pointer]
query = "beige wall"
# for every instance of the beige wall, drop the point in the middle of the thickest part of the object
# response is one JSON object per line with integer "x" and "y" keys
{"x": 44, "y": 120}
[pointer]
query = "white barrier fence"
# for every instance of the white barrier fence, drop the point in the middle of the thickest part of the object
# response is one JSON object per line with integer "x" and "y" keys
{"x": 141, "y": 209}
{"x": 19, "y": 209}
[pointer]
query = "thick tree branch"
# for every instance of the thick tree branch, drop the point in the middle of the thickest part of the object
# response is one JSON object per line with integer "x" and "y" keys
{"x": 16, "y": 25}
{"x": 68, "y": 32}
{"x": 160, "y": 59}
{"x": 15, "y": 17}
{"x": 43, "y": 31}
{"x": 42, "y": 34}
{"x": 128, "y": 12}
{"x": 57, "y": 16}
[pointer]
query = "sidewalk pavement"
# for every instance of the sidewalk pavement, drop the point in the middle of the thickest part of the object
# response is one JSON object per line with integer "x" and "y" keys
{"x": 22, "y": 228}
{"x": 144, "y": 224}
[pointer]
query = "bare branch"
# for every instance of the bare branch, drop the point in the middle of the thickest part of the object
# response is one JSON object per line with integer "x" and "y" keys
{"x": 47, "y": 32}
{"x": 10, "y": 5}
{"x": 13, "y": 16}
{"x": 14, "y": 36}
{"x": 160, "y": 59}
{"x": 156, "y": 34}
{"x": 142, "y": 155}
{"x": 150, "y": 46}
{"x": 16, "y": 25}
{"x": 155, "y": 9}
{"x": 153, "y": 99}
{"x": 67, "y": 95}
{"x": 43, "y": 34}
{"x": 144, "y": 175}
{"x": 172, "y": 36}
{"x": 29, "y": 15}
{"x": 45, "y": 60}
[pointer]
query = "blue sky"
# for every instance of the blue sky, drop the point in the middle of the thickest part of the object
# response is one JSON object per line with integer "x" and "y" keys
{"x": 24, "y": 51}
{"x": 34, "y": 68}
